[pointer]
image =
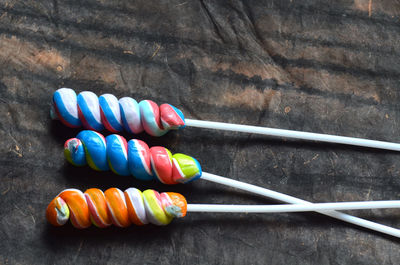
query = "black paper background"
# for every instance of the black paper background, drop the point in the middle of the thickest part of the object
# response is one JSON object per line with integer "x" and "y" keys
{"x": 321, "y": 66}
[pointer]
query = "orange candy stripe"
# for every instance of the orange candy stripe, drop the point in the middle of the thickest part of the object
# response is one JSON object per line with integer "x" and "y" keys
{"x": 178, "y": 200}
{"x": 78, "y": 207}
{"x": 117, "y": 207}
{"x": 131, "y": 211}
{"x": 51, "y": 212}
{"x": 98, "y": 207}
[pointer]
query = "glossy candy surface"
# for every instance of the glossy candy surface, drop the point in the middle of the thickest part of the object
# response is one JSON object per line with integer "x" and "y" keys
{"x": 130, "y": 158}
{"x": 115, "y": 207}
{"x": 107, "y": 112}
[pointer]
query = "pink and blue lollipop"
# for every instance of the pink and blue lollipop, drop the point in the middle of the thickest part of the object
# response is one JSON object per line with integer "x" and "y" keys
{"x": 106, "y": 111}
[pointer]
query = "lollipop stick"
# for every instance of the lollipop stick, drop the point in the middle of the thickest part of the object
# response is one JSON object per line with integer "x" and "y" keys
{"x": 293, "y": 134}
{"x": 293, "y": 200}
{"x": 285, "y": 208}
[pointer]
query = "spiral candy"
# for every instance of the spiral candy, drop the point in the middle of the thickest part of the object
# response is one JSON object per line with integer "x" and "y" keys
{"x": 106, "y": 111}
{"x": 115, "y": 207}
{"x": 130, "y": 158}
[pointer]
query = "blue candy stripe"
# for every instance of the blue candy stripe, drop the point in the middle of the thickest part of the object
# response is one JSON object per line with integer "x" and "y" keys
{"x": 109, "y": 114}
{"x": 179, "y": 112}
{"x": 88, "y": 115}
{"x": 63, "y": 111}
{"x": 136, "y": 128}
{"x": 125, "y": 122}
{"x": 136, "y": 162}
{"x": 95, "y": 147}
{"x": 117, "y": 155}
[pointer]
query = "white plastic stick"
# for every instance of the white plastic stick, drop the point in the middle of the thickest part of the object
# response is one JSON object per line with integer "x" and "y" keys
{"x": 293, "y": 200}
{"x": 293, "y": 134}
{"x": 285, "y": 208}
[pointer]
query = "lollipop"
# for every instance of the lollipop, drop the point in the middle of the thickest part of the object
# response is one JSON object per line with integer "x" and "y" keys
{"x": 134, "y": 207}
{"x": 106, "y": 111}
{"x": 136, "y": 158}
{"x": 115, "y": 207}
{"x": 130, "y": 158}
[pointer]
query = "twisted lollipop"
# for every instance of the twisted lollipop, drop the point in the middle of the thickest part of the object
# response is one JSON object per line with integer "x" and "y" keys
{"x": 134, "y": 207}
{"x": 115, "y": 207}
{"x": 107, "y": 111}
{"x": 136, "y": 158}
{"x": 130, "y": 158}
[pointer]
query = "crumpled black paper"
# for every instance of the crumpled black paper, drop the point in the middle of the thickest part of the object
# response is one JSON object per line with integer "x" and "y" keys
{"x": 327, "y": 67}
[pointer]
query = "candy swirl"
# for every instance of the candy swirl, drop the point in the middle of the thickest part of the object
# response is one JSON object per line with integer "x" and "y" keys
{"x": 107, "y": 111}
{"x": 115, "y": 207}
{"x": 130, "y": 158}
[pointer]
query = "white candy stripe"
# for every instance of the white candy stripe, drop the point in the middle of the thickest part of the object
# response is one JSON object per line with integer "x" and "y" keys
{"x": 61, "y": 218}
{"x": 154, "y": 111}
{"x": 92, "y": 102}
{"x": 102, "y": 138}
{"x": 113, "y": 215}
{"x": 146, "y": 167}
{"x": 165, "y": 196}
{"x": 132, "y": 114}
{"x": 154, "y": 168}
{"x": 95, "y": 209}
{"x": 112, "y": 102}
{"x": 124, "y": 148}
{"x": 149, "y": 213}
{"x": 68, "y": 97}
{"x": 82, "y": 196}
{"x": 122, "y": 195}
{"x": 79, "y": 192}
{"x": 136, "y": 198}
{"x": 178, "y": 168}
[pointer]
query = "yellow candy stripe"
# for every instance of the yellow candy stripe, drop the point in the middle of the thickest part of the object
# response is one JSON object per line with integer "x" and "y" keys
{"x": 156, "y": 212}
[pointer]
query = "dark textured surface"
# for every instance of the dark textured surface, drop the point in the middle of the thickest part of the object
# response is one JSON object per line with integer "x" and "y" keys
{"x": 321, "y": 66}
